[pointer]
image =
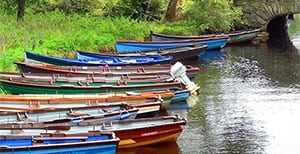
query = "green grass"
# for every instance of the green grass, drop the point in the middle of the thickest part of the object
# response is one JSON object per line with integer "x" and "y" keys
{"x": 55, "y": 34}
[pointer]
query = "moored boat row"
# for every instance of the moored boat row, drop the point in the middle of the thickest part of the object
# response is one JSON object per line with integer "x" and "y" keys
{"x": 132, "y": 133}
{"x": 100, "y": 102}
{"x": 56, "y": 111}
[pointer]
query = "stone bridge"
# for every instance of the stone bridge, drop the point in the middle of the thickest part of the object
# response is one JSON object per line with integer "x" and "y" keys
{"x": 270, "y": 15}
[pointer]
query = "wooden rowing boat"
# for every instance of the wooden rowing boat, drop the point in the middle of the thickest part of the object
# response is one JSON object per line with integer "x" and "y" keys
{"x": 178, "y": 53}
{"x": 234, "y": 37}
{"x": 126, "y": 46}
{"x": 148, "y": 103}
{"x": 110, "y": 71}
{"x": 97, "y": 113}
{"x": 28, "y": 87}
{"x": 61, "y": 79}
{"x": 99, "y": 61}
{"x": 82, "y": 77}
{"x": 132, "y": 132}
{"x": 16, "y": 87}
{"x": 87, "y": 142}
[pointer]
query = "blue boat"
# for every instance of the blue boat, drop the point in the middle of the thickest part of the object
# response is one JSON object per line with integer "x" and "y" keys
{"x": 46, "y": 143}
{"x": 178, "y": 53}
{"x": 105, "y": 61}
{"x": 152, "y": 59}
{"x": 216, "y": 42}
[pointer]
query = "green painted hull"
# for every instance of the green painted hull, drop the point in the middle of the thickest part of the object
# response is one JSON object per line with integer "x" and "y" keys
{"x": 242, "y": 38}
{"x": 21, "y": 88}
{"x": 95, "y": 84}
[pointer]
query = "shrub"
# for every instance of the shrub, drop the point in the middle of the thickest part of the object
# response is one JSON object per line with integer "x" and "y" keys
{"x": 213, "y": 15}
{"x": 149, "y": 10}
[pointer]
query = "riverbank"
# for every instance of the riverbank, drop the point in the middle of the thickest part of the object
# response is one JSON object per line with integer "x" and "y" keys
{"x": 59, "y": 35}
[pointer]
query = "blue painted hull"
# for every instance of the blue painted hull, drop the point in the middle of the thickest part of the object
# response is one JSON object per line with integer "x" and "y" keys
{"x": 85, "y": 62}
{"x": 147, "y": 59}
{"x": 99, "y": 144}
{"x": 180, "y": 96}
{"x": 132, "y": 46}
{"x": 109, "y": 149}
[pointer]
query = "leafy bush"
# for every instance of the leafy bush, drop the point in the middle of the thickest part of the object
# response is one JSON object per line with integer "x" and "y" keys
{"x": 149, "y": 10}
{"x": 213, "y": 15}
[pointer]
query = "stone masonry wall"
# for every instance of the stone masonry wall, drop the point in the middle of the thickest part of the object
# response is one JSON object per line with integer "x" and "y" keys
{"x": 258, "y": 13}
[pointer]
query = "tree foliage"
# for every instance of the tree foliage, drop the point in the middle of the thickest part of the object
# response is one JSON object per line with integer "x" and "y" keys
{"x": 213, "y": 15}
{"x": 203, "y": 15}
{"x": 141, "y": 10}
{"x": 42, "y": 6}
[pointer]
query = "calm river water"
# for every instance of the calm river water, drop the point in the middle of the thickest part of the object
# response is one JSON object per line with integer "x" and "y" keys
{"x": 249, "y": 102}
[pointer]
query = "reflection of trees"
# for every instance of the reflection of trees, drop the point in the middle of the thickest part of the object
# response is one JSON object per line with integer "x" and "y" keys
{"x": 217, "y": 124}
{"x": 197, "y": 136}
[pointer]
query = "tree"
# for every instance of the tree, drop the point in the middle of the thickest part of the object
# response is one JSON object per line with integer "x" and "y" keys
{"x": 21, "y": 9}
{"x": 171, "y": 10}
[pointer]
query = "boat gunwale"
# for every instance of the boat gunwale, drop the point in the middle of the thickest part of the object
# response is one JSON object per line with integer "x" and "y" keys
{"x": 172, "y": 41}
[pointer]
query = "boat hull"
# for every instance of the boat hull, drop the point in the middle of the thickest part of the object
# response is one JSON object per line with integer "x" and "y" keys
{"x": 139, "y": 59}
{"x": 234, "y": 37}
{"x": 132, "y": 133}
{"x": 31, "y": 57}
{"x": 25, "y": 88}
{"x": 243, "y": 37}
{"x": 22, "y": 88}
{"x": 133, "y": 46}
{"x": 102, "y": 113}
{"x": 97, "y": 149}
{"x": 101, "y": 71}
{"x": 178, "y": 53}
{"x": 73, "y": 143}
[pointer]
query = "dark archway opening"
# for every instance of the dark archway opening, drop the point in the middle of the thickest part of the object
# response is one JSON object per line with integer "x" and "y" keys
{"x": 277, "y": 26}
{"x": 278, "y": 34}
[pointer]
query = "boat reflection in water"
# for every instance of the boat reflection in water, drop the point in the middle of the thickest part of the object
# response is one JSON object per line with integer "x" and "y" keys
{"x": 163, "y": 148}
{"x": 211, "y": 55}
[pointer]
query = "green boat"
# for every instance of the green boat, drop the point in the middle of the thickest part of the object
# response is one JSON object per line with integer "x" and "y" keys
{"x": 243, "y": 36}
{"x": 29, "y": 87}
{"x": 233, "y": 37}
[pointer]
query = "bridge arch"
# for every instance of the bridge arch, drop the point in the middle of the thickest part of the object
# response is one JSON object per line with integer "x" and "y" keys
{"x": 269, "y": 15}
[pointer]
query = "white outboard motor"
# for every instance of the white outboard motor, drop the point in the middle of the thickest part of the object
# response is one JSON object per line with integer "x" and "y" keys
{"x": 178, "y": 72}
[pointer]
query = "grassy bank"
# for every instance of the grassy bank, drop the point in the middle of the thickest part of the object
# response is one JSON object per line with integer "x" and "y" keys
{"x": 59, "y": 35}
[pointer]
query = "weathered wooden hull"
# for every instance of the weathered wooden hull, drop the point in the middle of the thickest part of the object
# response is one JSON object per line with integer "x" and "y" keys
{"x": 234, "y": 37}
{"x": 37, "y": 58}
{"x": 113, "y": 72}
{"x": 152, "y": 135}
{"x": 78, "y": 80}
{"x": 133, "y": 46}
{"x": 82, "y": 77}
{"x": 144, "y": 100}
{"x": 83, "y": 143}
{"x": 244, "y": 36}
{"x": 132, "y": 133}
{"x": 97, "y": 113}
